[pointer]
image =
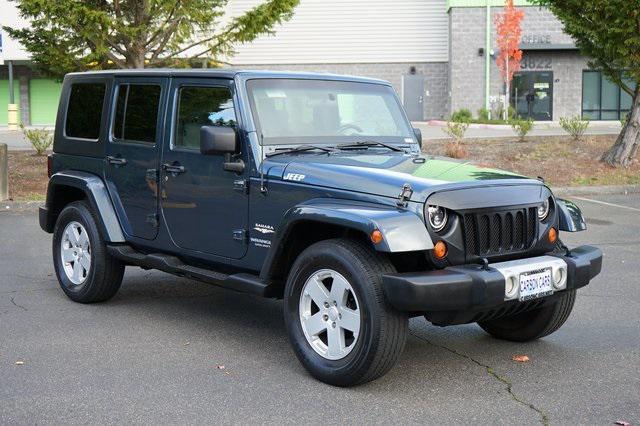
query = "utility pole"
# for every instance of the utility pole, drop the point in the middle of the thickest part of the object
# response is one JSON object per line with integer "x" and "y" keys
{"x": 12, "y": 112}
{"x": 487, "y": 60}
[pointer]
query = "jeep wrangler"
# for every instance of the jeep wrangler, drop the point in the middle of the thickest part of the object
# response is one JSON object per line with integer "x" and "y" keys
{"x": 312, "y": 188}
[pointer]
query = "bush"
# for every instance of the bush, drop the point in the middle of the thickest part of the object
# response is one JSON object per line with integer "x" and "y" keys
{"x": 510, "y": 115}
{"x": 455, "y": 150}
{"x": 456, "y": 130}
{"x": 575, "y": 126}
{"x": 40, "y": 139}
{"x": 483, "y": 114}
{"x": 462, "y": 115}
{"x": 522, "y": 126}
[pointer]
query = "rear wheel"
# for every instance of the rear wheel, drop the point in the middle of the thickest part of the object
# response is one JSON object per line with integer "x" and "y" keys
{"x": 532, "y": 325}
{"x": 339, "y": 323}
{"x": 85, "y": 271}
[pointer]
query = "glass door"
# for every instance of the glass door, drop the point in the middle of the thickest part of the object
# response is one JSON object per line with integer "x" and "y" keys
{"x": 532, "y": 95}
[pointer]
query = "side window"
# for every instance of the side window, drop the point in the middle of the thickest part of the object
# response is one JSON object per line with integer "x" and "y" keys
{"x": 137, "y": 112}
{"x": 201, "y": 106}
{"x": 84, "y": 111}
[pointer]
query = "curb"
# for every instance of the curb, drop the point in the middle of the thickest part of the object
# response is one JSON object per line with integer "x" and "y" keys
{"x": 20, "y": 206}
{"x": 596, "y": 190}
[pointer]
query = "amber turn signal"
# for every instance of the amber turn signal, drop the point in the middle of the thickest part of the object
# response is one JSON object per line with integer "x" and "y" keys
{"x": 553, "y": 235}
{"x": 440, "y": 250}
{"x": 376, "y": 236}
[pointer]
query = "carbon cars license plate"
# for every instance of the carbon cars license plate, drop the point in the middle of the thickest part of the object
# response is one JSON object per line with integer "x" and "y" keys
{"x": 535, "y": 284}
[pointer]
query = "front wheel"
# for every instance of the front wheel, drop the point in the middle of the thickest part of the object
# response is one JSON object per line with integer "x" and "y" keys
{"x": 339, "y": 323}
{"x": 534, "y": 324}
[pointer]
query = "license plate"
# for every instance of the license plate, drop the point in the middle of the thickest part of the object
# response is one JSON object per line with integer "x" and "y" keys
{"x": 535, "y": 284}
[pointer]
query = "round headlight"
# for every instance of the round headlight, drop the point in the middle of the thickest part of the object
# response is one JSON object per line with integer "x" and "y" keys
{"x": 543, "y": 209}
{"x": 437, "y": 217}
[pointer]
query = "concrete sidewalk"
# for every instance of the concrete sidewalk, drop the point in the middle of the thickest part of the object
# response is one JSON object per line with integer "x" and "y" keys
{"x": 434, "y": 129}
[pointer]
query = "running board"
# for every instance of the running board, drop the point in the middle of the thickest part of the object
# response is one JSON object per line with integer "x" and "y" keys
{"x": 242, "y": 282}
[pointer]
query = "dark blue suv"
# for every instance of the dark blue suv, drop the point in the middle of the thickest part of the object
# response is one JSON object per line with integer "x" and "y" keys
{"x": 308, "y": 187}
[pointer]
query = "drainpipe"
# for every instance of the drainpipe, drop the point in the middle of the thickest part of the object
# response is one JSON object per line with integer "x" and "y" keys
{"x": 487, "y": 60}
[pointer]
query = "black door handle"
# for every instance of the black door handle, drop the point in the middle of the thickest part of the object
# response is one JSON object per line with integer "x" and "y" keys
{"x": 173, "y": 168}
{"x": 116, "y": 161}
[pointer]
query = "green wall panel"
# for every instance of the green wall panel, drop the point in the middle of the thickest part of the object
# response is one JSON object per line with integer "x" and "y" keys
{"x": 4, "y": 99}
{"x": 44, "y": 95}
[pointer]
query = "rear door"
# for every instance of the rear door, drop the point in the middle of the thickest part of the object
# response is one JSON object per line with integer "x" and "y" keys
{"x": 204, "y": 206}
{"x": 133, "y": 152}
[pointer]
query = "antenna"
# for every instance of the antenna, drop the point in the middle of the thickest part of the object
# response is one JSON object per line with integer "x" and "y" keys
{"x": 263, "y": 188}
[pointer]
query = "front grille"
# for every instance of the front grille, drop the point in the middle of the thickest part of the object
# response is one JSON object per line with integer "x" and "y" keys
{"x": 501, "y": 232}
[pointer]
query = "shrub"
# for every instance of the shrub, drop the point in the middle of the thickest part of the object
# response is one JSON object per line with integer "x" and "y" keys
{"x": 40, "y": 139}
{"x": 455, "y": 150}
{"x": 456, "y": 130}
{"x": 510, "y": 115}
{"x": 522, "y": 126}
{"x": 462, "y": 115}
{"x": 575, "y": 126}
{"x": 483, "y": 114}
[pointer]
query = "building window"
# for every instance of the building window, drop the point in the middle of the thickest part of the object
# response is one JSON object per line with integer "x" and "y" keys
{"x": 602, "y": 99}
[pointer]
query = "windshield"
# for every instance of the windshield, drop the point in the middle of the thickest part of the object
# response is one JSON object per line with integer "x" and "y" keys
{"x": 296, "y": 111}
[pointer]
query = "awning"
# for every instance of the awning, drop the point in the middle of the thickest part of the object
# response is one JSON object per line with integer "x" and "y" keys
{"x": 535, "y": 47}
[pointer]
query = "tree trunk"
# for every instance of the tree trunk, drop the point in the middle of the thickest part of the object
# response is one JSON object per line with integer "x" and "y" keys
{"x": 625, "y": 148}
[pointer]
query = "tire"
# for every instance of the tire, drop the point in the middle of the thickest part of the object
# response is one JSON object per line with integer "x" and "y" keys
{"x": 532, "y": 325}
{"x": 87, "y": 273}
{"x": 382, "y": 331}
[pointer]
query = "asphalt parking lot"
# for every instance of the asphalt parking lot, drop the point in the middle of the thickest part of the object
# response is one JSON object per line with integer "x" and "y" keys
{"x": 154, "y": 353}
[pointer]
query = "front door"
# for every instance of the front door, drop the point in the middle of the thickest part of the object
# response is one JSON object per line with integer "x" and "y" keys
{"x": 133, "y": 153}
{"x": 413, "y": 96}
{"x": 204, "y": 206}
{"x": 532, "y": 95}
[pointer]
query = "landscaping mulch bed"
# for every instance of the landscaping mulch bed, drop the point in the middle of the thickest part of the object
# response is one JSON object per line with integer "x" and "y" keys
{"x": 560, "y": 160}
{"x": 27, "y": 176}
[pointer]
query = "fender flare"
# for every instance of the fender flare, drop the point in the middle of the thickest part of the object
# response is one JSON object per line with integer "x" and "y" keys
{"x": 97, "y": 196}
{"x": 402, "y": 230}
{"x": 570, "y": 218}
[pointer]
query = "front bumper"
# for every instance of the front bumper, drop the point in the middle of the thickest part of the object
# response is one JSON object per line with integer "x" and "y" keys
{"x": 470, "y": 288}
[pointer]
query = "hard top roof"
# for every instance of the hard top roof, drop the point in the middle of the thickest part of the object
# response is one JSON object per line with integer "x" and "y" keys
{"x": 222, "y": 73}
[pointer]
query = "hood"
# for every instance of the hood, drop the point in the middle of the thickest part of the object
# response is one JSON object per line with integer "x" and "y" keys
{"x": 385, "y": 174}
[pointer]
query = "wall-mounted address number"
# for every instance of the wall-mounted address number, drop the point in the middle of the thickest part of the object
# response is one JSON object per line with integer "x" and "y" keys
{"x": 536, "y": 63}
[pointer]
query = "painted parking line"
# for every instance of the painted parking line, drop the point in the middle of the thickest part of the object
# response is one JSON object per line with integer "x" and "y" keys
{"x": 606, "y": 204}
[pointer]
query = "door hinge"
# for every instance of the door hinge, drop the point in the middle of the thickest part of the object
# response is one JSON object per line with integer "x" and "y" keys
{"x": 241, "y": 185}
{"x": 153, "y": 219}
{"x": 240, "y": 235}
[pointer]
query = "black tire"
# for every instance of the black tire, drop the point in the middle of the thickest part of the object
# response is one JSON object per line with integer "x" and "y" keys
{"x": 383, "y": 330}
{"x": 104, "y": 276}
{"x": 532, "y": 325}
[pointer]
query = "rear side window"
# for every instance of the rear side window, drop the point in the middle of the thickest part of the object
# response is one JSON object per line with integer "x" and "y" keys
{"x": 202, "y": 106}
{"x": 84, "y": 111}
{"x": 137, "y": 112}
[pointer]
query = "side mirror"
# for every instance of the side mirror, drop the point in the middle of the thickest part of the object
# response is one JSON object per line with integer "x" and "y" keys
{"x": 218, "y": 140}
{"x": 418, "y": 134}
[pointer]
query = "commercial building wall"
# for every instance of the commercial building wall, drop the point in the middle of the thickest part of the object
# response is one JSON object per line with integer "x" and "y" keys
{"x": 545, "y": 46}
{"x": 436, "y": 94}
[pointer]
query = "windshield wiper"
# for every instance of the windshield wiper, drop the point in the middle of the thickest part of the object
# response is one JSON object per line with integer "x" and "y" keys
{"x": 367, "y": 144}
{"x": 300, "y": 148}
